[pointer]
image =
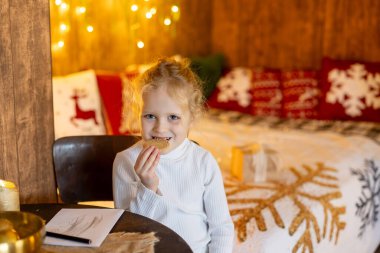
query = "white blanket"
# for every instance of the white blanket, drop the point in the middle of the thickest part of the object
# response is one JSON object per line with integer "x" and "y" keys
{"x": 325, "y": 198}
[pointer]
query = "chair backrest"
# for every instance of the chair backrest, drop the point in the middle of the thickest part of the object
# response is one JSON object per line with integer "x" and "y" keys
{"x": 83, "y": 165}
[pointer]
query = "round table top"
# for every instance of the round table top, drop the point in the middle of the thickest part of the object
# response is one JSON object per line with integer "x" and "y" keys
{"x": 169, "y": 241}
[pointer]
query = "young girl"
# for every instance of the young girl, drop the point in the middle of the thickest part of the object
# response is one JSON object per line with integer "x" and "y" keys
{"x": 180, "y": 186}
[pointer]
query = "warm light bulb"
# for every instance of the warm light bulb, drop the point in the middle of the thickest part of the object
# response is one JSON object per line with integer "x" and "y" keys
{"x": 167, "y": 21}
{"x": 175, "y": 8}
{"x": 58, "y": 46}
{"x": 80, "y": 10}
{"x": 148, "y": 15}
{"x": 153, "y": 10}
{"x": 63, "y": 27}
{"x": 140, "y": 44}
{"x": 64, "y": 6}
{"x": 58, "y": 2}
{"x": 90, "y": 28}
{"x": 134, "y": 7}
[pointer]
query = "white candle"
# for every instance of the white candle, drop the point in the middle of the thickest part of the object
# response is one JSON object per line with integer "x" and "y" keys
{"x": 9, "y": 196}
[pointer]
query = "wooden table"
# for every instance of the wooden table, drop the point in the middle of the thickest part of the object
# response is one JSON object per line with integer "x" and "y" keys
{"x": 128, "y": 222}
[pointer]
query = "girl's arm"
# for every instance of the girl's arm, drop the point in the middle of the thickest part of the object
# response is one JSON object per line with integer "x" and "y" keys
{"x": 221, "y": 227}
{"x": 129, "y": 192}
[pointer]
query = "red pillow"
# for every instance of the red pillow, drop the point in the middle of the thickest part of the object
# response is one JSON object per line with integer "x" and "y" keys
{"x": 266, "y": 91}
{"x": 300, "y": 91}
{"x": 233, "y": 91}
{"x": 350, "y": 90}
{"x": 110, "y": 89}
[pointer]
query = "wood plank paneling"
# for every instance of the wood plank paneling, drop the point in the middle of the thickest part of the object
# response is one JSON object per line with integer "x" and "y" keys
{"x": 352, "y": 30}
{"x": 226, "y": 32}
{"x": 295, "y": 33}
{"x": 194, "y": 29}
{"x": 27, "y": 93}
{"x": 8, "y": 143}
{"x": 272, "y": 33}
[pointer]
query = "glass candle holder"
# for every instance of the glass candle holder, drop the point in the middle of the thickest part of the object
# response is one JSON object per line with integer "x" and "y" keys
{"x": 9, "y": 196}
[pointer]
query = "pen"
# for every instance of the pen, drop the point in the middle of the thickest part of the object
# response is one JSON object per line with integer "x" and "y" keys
{"x": 68, "y": 237}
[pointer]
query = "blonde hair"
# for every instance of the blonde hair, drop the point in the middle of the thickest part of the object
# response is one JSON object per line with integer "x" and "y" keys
{"x": 181, "y": 82}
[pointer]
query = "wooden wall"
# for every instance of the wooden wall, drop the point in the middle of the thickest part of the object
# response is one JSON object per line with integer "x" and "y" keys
{"x": 272, "y": 33}
{"x": 26, "y": 119}
{"x": 295, "y": 33}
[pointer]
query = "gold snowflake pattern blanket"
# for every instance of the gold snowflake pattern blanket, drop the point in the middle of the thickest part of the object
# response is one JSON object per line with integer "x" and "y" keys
{"x": 324, "y": 198}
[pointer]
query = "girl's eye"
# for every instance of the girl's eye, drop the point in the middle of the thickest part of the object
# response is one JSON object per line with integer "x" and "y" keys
{"x": 149, "y": 116}
{"x": 174, "y": 117}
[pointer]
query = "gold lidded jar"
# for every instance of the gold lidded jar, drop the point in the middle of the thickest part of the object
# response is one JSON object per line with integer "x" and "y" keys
{"x": 9, "y": 196}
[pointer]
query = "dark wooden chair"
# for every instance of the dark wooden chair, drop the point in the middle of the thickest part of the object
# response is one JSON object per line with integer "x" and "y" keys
{"x": 83, "y": 165}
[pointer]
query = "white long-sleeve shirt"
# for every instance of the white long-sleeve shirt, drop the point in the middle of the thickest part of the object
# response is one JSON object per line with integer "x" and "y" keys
{"x": 190, "y": 199}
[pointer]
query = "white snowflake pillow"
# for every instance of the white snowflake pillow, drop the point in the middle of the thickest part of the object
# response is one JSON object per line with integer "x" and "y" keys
{"x": 350, "y": 90}
{"x": 233, "y": 91}
{"x": 77, "y": 105}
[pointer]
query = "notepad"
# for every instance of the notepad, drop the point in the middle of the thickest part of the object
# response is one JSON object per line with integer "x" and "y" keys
{"x": 91, "y": 223}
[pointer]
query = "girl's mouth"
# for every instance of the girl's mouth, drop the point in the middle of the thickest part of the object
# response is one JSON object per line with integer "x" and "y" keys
{"x": 163, "y": 138}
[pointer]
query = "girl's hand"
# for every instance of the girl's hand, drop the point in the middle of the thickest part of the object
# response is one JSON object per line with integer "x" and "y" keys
{"x": 145, "y": 167}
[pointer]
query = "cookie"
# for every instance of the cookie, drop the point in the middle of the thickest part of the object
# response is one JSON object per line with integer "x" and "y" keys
{"x": 161, "y": 144}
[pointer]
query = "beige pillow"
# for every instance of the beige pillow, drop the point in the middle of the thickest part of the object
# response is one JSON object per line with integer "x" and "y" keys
{"x": 77, "y": 105}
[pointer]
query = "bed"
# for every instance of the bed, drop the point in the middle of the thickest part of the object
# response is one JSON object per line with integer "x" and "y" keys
{"x": 324, "y": 193}
{"x": 324, "y": 198}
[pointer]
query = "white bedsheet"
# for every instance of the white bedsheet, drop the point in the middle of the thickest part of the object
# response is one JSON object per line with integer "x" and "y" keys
{"x": 312, "y": 204}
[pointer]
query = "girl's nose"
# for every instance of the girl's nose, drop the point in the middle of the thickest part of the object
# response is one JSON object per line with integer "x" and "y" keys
{"x": 160, "y": 126}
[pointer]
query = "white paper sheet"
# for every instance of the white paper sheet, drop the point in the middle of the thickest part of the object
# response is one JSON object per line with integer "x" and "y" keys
{"x": 91, "y": 223}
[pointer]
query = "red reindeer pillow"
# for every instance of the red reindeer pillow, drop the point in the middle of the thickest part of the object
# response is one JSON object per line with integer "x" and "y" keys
{"x": 300, "y": 91}
{"x": 267, "y": 95}
{"x": 77, "y": 106}
{"x": 350, "y": 90}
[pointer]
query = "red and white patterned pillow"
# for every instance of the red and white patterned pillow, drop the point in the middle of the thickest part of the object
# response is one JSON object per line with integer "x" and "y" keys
{"x": 233, "y": 91}
{"x": 266, "y": 93}
{"x": 111, "y": 87}
{"x": 77, "y": 105}
{"x": 301, "y": 93}
{"x": 350, "y": 90}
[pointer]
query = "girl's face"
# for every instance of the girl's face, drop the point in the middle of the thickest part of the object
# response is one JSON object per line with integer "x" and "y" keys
{"x": 163, "y": 117}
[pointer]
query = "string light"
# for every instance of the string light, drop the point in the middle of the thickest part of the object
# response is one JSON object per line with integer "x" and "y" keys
{"x": 64, "y": 6}
{"x": 175, "y": 11}
{"x": 140, "y": 44}
{"x": 134, "y": 7}
{"x": 148, "y": 7}
{"x": 90, "y": 28}
{"x": 63, "y": 27}
{"x": 148, "y": 15}
{"x": 80, "y": 10}
{"x": 167, "y": 21}
{"x": 153, "y": 10}
{"x": 175, "y": 8}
